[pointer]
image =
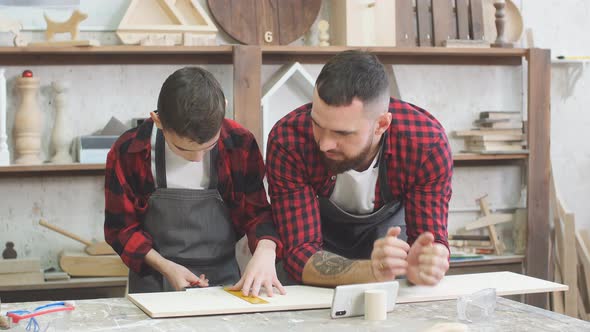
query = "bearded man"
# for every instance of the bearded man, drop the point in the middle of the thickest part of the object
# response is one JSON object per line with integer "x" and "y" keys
{"x": 359, "y": 182}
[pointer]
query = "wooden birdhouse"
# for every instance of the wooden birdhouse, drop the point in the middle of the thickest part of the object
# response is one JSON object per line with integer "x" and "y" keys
{"x": 293, "y": 86}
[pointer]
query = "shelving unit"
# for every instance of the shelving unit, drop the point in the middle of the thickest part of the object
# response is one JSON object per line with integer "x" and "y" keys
{"x": 247, "y": 64}
{"x": 98, "y": 169}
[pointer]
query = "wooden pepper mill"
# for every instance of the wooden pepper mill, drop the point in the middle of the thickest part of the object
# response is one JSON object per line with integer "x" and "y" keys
{"x": 28, "y": 121}
{"x": 61, "y": 136}
{"x": 9, "y": 252}
{"x": 500, "y": 24}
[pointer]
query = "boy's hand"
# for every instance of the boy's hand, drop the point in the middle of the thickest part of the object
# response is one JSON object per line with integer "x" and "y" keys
{"x": 260, "y": 271}
{"x": 180, "y": 277}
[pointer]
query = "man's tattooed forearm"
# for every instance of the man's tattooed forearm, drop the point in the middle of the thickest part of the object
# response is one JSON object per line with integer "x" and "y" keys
{"x": 327, "y": 263}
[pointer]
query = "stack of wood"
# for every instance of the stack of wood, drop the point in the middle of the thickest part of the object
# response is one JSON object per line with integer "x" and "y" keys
{"x": 496, "y": 132}
{"x": 467, "y": 244}
{"x": 15, "y": 272}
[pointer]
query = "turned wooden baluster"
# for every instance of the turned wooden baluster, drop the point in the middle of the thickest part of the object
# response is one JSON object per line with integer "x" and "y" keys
{"x": 500, "y": 24}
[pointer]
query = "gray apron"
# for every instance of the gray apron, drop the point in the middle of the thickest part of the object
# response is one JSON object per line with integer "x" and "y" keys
{"x": 352, "y": 236}
{"x": 190, "y": 227}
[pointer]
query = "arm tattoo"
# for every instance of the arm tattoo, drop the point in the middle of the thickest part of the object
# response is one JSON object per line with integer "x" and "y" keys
{"x": 329, "y": 264}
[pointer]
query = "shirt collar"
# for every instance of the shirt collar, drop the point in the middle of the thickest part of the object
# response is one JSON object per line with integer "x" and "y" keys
{"x": 141, "y": 141}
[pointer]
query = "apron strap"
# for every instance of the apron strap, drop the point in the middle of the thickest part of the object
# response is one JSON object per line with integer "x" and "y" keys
{"x": 213, "y": 167}
{"x": 160, "y": 160}
{"x": 382, "y": 177}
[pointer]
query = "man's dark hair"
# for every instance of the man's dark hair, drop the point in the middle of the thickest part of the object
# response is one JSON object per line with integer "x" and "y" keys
{"x": 352, "y": 74}
{"x": 192, "y": 104}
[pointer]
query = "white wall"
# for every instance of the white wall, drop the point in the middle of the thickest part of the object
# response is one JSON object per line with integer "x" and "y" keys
{"x": 563, "y": 26}
{"x": 454, "y": 94}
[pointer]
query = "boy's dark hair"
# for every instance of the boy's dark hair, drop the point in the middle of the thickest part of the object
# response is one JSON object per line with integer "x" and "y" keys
{"x": 192, "y": 104}
{"x": 352, "y": 74}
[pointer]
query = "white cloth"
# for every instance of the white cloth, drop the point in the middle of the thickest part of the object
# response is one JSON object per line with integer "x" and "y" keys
{"x": 181, "y": 173}
{"x": 354, "y": 192}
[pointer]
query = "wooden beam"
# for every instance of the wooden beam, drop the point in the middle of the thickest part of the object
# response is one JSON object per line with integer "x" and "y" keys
{"x": 477, "y": 23}
{"x": 424, "y": 14}
{"x": 444, "y": 22}
{"x": 20, "y": 265}
{"x": 582, "y": 249}
{"x": 247, "y": 92}
{"x": 537, "y": 254}
{"x": 22, "y": 278}
{"x": 498, "y": 244}
{"x": 405, "y": 19}
{"x": 463, "y": 19}
{"x": 489, "y": 220}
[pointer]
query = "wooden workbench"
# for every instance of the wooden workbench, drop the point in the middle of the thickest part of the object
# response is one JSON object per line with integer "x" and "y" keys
{"x": 118, "y": 314}
{"x": 91, "y": 288}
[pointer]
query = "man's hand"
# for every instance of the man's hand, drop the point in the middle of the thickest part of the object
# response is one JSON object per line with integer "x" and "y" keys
{"x": 388, "y": 259}
{"x": 260, "y": 271}
{"x": 428, "y": 261}
{"x": 180, "y": 277}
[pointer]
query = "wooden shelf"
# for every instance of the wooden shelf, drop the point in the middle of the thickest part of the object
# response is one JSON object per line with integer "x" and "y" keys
{"x": 247, "y": 62}
{"x": 222, "y": 54}
{"x": 484, "y": 157}
{"x": 490, "y": 260}
{"x": 400, "y": 55}
{"x": 98, "y": 169}
{"x": 118, "y": 49}
{"x": 120, "y": 54}
{"x": 50, "y": 169}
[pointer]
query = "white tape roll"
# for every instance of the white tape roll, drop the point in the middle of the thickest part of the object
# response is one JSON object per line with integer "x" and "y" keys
{"x": 375, "y": 304}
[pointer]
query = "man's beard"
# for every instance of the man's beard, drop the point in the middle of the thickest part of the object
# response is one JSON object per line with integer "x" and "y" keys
{"x": 341, "y": 166}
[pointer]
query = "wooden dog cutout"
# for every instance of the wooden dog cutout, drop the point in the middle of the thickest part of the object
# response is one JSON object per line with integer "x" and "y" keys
{"x": 7, "y": 25}
{"x": 71, "y": 25}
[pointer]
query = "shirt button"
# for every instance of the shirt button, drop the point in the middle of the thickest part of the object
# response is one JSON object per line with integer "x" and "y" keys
{"x": 333, "y": 177}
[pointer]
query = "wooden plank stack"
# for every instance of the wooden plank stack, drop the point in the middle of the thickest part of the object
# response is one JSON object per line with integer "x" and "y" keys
{"x": 20, "y": 272}
{"x": 80, "y": 264}
{"x": 497, "y": 132}
{"x": 446, "y": 23}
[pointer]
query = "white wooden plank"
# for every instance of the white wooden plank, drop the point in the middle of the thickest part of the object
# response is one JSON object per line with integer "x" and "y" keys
{"x": 452, "y": 287}
{"x": 214, "y": 301}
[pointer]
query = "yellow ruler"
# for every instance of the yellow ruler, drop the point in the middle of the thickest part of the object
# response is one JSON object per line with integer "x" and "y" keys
{"x": 250, "y": 299}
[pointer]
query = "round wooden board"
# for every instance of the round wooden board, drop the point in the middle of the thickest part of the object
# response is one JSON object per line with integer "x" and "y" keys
{"x": 265, "y": 22}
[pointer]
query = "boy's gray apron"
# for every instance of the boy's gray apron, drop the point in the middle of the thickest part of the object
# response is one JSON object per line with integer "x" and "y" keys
{"x": 190, "y": 227}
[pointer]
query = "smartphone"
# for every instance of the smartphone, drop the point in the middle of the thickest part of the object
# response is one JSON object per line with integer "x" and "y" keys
{"x": 349, "y": 300}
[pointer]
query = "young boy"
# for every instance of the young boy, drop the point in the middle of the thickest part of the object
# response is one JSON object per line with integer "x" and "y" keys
{"x": 182, "y": 188}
